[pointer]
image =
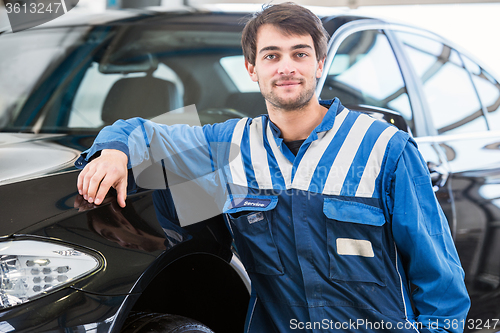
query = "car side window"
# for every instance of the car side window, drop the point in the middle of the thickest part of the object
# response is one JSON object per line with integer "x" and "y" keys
{"x": 365, "y": 71}
{"x": 88, "y": 109}
{"x": 452, "y": 100}
{"x": 489, "y": 91}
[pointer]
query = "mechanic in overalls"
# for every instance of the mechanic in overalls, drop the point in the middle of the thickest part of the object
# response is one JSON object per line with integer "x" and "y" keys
{"x": 332, "y": 212}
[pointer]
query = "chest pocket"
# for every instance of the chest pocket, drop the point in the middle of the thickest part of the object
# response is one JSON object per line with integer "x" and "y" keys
{"x": 252, "y": 218}
{"x": 354, "y": 241}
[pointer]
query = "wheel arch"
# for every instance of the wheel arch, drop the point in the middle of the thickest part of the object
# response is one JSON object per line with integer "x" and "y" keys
{"x": 200, "y": 286}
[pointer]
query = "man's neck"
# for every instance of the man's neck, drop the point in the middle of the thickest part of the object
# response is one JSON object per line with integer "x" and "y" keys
{"x": 297, "y": 124}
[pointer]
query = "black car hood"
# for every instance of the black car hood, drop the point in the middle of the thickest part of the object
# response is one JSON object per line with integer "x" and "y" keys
{"x": 25, "y": 156}
{"x": 36, "y": 173}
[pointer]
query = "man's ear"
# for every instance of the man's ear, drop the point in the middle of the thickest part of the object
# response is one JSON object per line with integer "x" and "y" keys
{"x": 321, "y": 65}
{"x": 251, "y": 71}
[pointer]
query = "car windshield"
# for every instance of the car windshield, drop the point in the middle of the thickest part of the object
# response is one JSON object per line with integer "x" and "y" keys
{"x": 80, "y": 79}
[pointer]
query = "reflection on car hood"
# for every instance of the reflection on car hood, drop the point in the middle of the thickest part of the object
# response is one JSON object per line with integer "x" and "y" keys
{"x": 24, "y": 156}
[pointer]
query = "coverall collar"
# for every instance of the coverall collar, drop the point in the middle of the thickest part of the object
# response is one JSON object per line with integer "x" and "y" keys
{"x": 334, "y": 107}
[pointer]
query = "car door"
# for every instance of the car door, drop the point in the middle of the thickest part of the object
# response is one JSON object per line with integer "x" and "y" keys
{"x": 436, "y": 89}
{"x": 363, "y": 69}
{"x": 461, "y": 104}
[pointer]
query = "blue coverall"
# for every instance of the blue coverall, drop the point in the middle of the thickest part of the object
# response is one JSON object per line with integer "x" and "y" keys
{"x": 332, "y": 238}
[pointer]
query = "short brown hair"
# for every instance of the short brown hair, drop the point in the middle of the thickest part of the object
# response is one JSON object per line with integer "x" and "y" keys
{"x": 290, "y": 18}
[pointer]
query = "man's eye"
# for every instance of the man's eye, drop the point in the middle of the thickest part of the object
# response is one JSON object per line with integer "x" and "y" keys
{"x": 270, "y": 57}
{"x": 301, "y": 55}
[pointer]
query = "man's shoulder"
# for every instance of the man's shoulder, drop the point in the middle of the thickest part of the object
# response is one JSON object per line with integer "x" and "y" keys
{"x": 224, "y": 131}
{"x": 246, "y": 121}
{"x": 375, "y": 125}
{"x": 384, "y": 138}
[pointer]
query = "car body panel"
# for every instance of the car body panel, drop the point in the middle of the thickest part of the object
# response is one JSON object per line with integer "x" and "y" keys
{"x": 190, "y": 271}
{"x": 69, "y": 309}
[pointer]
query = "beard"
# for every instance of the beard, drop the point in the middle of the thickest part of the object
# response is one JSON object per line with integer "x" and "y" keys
{"x": 286, "y": 103}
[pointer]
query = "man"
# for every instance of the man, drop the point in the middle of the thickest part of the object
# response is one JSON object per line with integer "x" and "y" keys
{"x": 312, "y": 200}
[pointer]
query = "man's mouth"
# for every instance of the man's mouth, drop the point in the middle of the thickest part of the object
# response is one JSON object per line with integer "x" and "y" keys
{"x": 287, "y": 83}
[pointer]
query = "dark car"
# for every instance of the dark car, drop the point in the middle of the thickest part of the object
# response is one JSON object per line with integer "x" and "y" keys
{"x": 68, "y": 266}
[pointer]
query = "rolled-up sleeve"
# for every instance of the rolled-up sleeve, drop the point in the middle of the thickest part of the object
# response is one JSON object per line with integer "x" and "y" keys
{"x": 424, "y": 241}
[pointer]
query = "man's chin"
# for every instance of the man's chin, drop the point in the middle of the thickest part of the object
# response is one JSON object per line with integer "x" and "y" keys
{"x": 289, "y": 104}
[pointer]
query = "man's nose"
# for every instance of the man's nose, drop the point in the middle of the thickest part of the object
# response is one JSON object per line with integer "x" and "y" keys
{"x": 286, "y": 66}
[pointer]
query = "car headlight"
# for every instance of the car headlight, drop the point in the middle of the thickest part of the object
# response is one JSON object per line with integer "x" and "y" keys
{"x": 32, "y": 268}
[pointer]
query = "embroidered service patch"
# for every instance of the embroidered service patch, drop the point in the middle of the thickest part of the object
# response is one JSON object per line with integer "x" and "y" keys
{"x": 251, "y": 202}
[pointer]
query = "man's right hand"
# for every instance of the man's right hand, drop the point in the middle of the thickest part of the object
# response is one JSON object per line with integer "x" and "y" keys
{"x": 107, "y": 170}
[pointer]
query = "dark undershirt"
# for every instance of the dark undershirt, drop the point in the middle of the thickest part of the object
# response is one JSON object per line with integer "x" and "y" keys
{"x": 294, "y": 146}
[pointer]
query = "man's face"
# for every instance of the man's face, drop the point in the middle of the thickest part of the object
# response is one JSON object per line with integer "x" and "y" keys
{"x": 285, "y": 68}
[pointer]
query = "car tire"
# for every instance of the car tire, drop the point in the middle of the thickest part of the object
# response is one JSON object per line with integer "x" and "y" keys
{"x": 141, "y": 322}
